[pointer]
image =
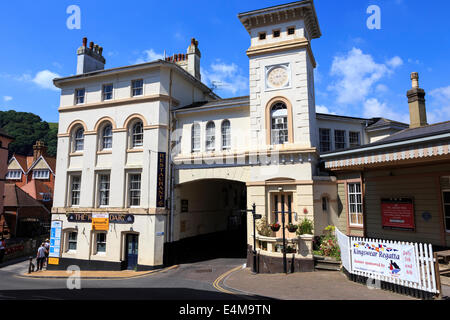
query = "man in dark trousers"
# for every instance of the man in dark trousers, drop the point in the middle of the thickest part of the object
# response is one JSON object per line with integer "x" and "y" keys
{"x": 40, "y": 257}
{"x": 2, "y": 249}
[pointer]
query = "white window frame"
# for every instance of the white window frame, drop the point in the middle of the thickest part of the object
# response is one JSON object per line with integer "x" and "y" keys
{"x": 279, "y": 135}
{"x": 80, "y": 99}
{"x": 210, "y": 141}
{"x": 102, "y": 188}
{"x": 14, "y": 175}
{"x": 134, "y": 88}
{"x": 97, "y": 242}
{"x": 103, "y": 142}
{"x": 226, "y": 136}
{"x": 77, "y": 139}
{"x": 134, "y": 142}
{"x": 69, "y": 241}
{"x": 447, "y": 227}
{"x": 105, "y": 93}
{"x": 41, "y": 174}
{"x": 196, "y": 137}
{"x": 131, "y": 191}
{"x": 357, "y": 204}
{"x": 71, "y": 190}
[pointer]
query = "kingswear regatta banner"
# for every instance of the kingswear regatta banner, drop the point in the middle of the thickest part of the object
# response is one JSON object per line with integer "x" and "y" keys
{"x": 389, "y": 260}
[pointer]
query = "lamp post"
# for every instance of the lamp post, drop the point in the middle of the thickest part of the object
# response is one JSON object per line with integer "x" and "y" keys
{"x": 255, "y": 217}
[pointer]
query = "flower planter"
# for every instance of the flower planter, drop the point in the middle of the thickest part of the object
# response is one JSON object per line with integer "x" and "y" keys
{"x": 275, "y": 228}
{"x": 292, "y": 229}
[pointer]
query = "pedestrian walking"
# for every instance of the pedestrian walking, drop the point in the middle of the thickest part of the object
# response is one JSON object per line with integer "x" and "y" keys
{"x": 40, "y": 257}
{"x": 2, "y": 249}
{"x": 47, "y": 248}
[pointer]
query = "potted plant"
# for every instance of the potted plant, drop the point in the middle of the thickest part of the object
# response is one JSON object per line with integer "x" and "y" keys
{"x": 305, "y": 227}
{"x": 292, "y": 227}
{"x": 275, "y": 226}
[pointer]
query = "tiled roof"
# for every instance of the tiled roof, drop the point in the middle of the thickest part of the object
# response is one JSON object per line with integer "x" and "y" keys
{"x": 411, "y": 133}
{"x": 16, "y": 197}
{"x": 36, "y": 188}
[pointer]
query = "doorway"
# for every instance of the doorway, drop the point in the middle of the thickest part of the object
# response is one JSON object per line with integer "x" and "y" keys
{"x": 131, "y": 254}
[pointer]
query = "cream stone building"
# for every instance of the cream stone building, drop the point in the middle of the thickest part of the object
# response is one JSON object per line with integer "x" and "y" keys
{"x": 169, "y": 161}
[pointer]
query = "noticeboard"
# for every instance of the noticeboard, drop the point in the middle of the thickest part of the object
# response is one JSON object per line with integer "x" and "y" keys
{"x": 55, "y": 241}
{"x": 100, "y": 221}
{"x": 398, "y": 213}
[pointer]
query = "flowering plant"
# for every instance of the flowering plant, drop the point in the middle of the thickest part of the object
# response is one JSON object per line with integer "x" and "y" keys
{"x": 292, "y": 227}
{"x": 275, "y": 226}
{"x": 328, "y": 244}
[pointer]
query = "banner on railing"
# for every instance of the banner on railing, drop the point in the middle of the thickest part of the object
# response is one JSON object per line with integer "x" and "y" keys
{"x": 393, "y": 260}
{"x": 343, "y": 242}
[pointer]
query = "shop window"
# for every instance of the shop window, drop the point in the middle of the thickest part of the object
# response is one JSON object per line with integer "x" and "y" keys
{"x": 355, "y": 208}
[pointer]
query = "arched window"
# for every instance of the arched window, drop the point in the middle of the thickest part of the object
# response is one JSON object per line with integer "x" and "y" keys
{"x": 195, "y": 137}
{"x": 137, "y": 135}
{"x": 210, "y": 136}
{"x": 279, "y": 128}
{"x": 106, "y": 140}
{"x": 78, "y": 140}
{"x": 226, "y": 135}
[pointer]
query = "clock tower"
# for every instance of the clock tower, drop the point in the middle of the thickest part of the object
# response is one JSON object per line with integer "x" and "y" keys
{"x": 282, "y": 101}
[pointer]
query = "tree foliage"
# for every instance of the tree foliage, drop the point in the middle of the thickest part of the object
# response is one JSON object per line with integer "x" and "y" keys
{"x": 27, "y": 128}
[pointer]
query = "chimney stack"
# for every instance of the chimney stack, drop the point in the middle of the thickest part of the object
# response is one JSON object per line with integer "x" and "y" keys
{"x": 416, "y": 101}
{"x": 193, "y": 59}
{"x": 90, "y": 58}
{"x": 39, "y": 149}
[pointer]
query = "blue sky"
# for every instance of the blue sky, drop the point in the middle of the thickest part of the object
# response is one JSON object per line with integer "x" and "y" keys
{"x": 360, "y": 72}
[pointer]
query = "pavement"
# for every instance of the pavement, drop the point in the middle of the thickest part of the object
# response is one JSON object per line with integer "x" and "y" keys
{"x": 214, "y": 279}
{"x": 318, "y": 285}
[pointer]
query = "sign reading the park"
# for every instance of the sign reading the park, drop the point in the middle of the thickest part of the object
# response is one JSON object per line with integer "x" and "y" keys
{"x": 396, "y": 261}
{"x": 397, "y": 213}
{"x": 161, "y": 181}
{"x": 55, "y": 241}
{"x": 100, "y": 221}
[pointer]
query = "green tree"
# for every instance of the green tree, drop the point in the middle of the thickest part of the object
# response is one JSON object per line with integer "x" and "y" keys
{"x": 27, "y": 128}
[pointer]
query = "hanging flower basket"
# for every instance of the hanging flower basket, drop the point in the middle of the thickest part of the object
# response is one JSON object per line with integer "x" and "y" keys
{"x": 292, "y": 227}
{"x": 275, "y": 226}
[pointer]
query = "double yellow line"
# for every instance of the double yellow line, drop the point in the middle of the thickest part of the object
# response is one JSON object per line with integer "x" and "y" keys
{"x": 216, "y": 283}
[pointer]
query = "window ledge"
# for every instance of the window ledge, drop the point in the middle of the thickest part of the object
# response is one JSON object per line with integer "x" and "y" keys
{"x": 135, "y": 150}
{"x": 104, "y": 152}
{"x": 76, "y": 154}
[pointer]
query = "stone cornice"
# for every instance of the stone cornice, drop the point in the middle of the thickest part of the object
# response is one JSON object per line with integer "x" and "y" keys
{"x": 113, "y": 103}
{"x": 302, "y": 43}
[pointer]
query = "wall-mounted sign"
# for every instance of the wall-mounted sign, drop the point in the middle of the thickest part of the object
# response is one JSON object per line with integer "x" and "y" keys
{"x": 184, "y": 205}
{"x": 161, "y": 181}
{"x": 55, "y": 241}
{"x": 397, "y": 213}
{"x": 119, "y": 218}
{"x": 100, "y": 221}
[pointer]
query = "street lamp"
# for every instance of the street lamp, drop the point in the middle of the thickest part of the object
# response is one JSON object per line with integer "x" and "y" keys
{"x": 255, "y": 217}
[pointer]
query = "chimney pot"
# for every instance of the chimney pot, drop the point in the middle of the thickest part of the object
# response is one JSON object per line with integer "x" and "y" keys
{"x": 415, "y": 79}
{"x": 91, "y": 45}
{"x": 85, "y": 42}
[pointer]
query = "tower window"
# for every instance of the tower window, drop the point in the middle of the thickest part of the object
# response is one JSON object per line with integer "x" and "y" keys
{"x": 291, "y": 31}
{"x": 262, "y": 36}
{"x": 276, "y": 33}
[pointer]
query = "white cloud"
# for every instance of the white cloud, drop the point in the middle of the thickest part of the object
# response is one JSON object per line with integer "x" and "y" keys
{"x": 149, "y": 55}
{"x": 357, "y": 73}
{"x": 323, "y": 109}
{"x": 44, "y": 79}
{"x": 395, "y": 62}
{"x": 7, "y": 98}
{"x": 374, "y": 108}
{"x": 439, "y": 107}
{"x": 227, "y": 78}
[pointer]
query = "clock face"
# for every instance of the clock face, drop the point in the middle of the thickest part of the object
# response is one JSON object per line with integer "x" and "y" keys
{"x": 278, "y": 77}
